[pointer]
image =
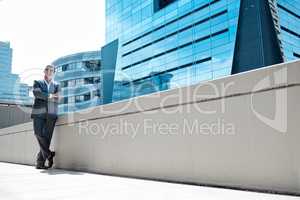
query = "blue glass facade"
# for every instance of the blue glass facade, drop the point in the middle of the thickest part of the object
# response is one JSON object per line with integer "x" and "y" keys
{"x": 11, "y": 89}
{"x": 186, "y": 41}
{"x": 289, "y": 20}
{"x": 165, "y": 44}
{"x": 5, "y": 57}
{"x": 80, "y": 80}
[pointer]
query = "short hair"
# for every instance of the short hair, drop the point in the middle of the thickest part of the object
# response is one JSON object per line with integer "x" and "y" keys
{"x": 50, "y": 66}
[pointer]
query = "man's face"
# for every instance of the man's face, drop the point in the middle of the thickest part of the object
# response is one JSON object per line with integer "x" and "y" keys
{"x": 49, "y": 73}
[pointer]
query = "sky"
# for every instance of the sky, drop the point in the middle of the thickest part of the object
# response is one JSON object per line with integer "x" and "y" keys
{"x": 41, "y": 31}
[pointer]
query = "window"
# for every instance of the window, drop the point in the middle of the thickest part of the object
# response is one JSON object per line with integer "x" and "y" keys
{"x": 71, "y": 66}
{"x": 64, "y": 84}
{"x": 164, "y": 3}
{"x": 64, "y": 68}
{"x": 82, "y": 98}
{"x": 72, "y": 83}
{"x": 160, "y": 4}
{"x": 91, "y": 80}
{"x": 296, "y": 55}
{"x": 96, "y": 79}
{"x": 88, "y": 80}
{"x": 71, "y": 100}
{"x": 59, "y": 69}
{"x": 92, "y": 65}
{"x": 65, "y": 100}
{"x": 79, "y": 98}
{"x": 96, "y": 93}
{"x": 87, "y": 97}
{"x": 79, "y": 82}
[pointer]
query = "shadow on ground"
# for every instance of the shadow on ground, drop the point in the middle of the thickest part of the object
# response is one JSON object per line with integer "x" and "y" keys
{"x": 59, "y": 171}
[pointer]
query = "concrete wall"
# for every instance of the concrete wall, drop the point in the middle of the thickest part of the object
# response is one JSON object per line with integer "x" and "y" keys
{"x": 258, "y": 148}
{"x": 11, "y": 114}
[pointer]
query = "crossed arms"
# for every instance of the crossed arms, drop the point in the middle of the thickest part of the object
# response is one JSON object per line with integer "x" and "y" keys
{"x": 38, "y": 93}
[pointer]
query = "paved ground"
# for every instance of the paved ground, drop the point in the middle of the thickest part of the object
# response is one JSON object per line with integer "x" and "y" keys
{"x": 19, "y": 182}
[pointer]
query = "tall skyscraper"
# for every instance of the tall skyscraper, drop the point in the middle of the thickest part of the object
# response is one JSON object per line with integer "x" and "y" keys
{"x": 11, "y": 89}
{"x": 190, "y": 41}
{"x": 5, "y": 57}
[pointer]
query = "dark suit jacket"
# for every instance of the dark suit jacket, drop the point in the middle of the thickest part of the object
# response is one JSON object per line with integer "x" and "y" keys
{"x": 43, "y": 106}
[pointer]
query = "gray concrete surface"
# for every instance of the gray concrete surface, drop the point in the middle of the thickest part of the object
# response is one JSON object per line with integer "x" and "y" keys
{"x": 13, "y": 114}
{"x": 19, "y": 182}
{"x": 261, "y": 153}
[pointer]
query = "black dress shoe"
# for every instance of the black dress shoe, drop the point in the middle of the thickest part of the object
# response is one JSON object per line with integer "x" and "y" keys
{"x": 41, "y": 167}
{"x": 50, "y": 159}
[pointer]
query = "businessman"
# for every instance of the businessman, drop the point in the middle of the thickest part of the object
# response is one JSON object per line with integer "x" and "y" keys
{"x": 44, "y": 115}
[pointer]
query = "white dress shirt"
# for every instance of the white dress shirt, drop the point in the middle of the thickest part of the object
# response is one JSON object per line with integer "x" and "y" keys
{"x": 48, "y": 84}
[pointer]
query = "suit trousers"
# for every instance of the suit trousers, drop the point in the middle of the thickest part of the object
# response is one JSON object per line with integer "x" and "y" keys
{"x": 43, "y": 131}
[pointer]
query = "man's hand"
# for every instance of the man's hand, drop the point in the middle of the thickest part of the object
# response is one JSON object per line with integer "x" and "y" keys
{"x": 54, "y": 96}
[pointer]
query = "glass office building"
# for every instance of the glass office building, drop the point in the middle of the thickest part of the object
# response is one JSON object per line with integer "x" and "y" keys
{"x": 80, "y": 80}
{"x": 11, "y": 89}
{"x": 289, "y": 20}
{"x": 5, "y": 57}
{"x": 164, "y": 44}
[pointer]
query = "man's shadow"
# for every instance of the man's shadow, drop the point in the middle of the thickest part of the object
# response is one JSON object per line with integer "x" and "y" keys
{"x": 56, "y": 171}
